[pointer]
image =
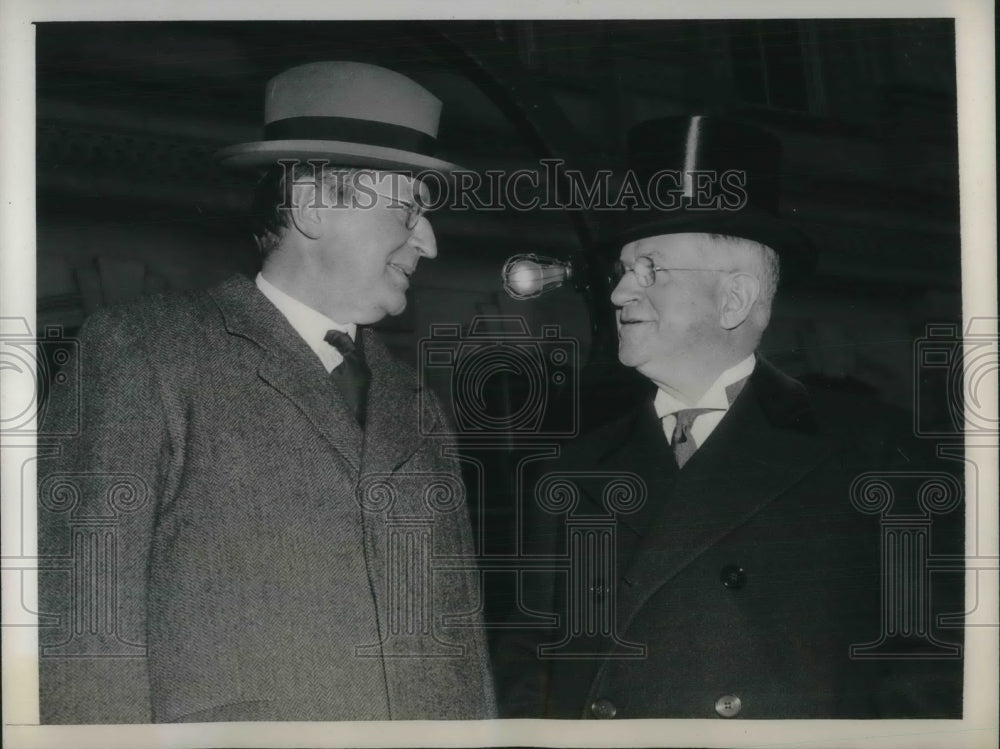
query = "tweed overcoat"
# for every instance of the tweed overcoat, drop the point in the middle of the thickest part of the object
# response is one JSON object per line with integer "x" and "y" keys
{"x": 747, "y": 574}
{"x": 250, "y": 519}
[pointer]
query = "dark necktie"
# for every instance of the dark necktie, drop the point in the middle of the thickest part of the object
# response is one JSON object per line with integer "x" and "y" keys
{"x": 352, "y": 375}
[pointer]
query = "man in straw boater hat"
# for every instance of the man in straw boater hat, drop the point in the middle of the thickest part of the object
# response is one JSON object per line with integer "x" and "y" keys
{"x": 273, "y": 562}
{"x": 746, "y": 570}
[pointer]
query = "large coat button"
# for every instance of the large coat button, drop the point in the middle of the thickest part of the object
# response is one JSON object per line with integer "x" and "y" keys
{"x": 733, "y": 576}
{"x": 728, "y": 706}
{"x": 603, "y": 708}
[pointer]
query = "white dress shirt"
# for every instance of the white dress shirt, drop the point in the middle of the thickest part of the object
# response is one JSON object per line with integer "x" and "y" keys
{"x": 714, "y": 398}
{"x": 308, "y": 323}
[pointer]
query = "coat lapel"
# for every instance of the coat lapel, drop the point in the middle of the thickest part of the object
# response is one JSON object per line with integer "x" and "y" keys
{"x": 289, "y": 366}
{"x": 766, "y": 443}
{"x": 635, "y": 445}
{"x": 396, "y": 412}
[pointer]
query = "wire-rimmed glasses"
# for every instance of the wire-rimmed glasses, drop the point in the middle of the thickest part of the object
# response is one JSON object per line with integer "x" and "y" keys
{"x": 414, "y": 209}
{"x": 645, "y": 270}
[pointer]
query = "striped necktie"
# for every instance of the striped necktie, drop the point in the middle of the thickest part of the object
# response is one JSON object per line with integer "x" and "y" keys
{"x": 681, "y": 441}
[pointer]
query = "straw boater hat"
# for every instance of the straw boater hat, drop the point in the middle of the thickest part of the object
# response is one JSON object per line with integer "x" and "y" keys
{"x": 714, "y": 145}
{"x": 351, "y": 113}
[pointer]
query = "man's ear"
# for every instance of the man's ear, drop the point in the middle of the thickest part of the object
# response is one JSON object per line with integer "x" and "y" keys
{"x": 305, "y": 210}
{"x": 739, "y": 293}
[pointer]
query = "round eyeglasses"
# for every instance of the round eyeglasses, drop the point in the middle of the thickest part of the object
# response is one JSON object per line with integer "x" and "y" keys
{"x": 414, "y": 209}
{"x": 645, "y": 271}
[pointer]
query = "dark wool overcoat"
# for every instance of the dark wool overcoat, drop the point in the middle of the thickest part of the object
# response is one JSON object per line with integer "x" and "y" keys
{"x": 739, "y": 586}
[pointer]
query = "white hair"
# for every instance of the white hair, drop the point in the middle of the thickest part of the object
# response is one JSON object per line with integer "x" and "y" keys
{"x": 758, "y": 260}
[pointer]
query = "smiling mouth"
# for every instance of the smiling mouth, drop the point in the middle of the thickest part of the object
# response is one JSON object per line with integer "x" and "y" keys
{"x": 406, "y": 272}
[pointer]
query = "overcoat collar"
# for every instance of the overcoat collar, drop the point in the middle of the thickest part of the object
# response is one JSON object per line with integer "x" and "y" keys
{"x": 289, "y": 366}
{"x": 767, "y": 442}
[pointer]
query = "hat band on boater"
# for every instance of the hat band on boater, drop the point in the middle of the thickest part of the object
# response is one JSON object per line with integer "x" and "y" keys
{"x": 352, "y": 130}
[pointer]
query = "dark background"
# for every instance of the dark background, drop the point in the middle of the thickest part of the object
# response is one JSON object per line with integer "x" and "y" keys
{"x": 130, "y": 201}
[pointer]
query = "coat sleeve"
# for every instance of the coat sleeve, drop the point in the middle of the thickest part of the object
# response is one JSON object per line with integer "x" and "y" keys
{"x": 98, "y": 495}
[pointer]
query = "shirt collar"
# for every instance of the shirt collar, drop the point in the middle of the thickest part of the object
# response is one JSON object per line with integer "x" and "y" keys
{"x": 714, "y": 398}
{"x": 308, "y": 323}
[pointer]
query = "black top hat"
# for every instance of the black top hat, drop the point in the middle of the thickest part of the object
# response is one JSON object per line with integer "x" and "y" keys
{"x": 710, "y": 174}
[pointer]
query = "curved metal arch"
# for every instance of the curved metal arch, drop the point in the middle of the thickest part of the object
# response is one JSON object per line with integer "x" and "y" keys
{"x": 495, "y": 67}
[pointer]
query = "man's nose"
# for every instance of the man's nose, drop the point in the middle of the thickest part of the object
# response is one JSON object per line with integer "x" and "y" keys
{"x": 422, "y": 239}
{"x": 625, "y": 291}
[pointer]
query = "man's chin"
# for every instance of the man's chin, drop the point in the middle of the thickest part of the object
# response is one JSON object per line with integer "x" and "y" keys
{"x": 396, "y": 308}
{"x": 628, "y": 355}
{"x": 388, "y": 305}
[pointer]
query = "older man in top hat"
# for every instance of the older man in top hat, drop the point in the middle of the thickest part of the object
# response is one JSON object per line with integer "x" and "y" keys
{"x": 275, "y": 501}
{"x": 740, "y": 577}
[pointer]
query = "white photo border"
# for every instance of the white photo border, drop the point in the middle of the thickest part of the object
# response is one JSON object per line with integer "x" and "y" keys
{"x": 977, "y": 129}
